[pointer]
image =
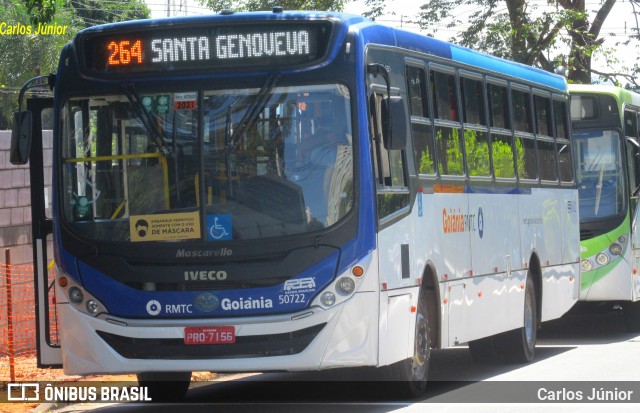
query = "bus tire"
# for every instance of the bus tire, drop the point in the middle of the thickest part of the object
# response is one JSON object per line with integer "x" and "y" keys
{"x": 408, "y": 378}
{"x": 165, "y": 386}
{"x": 631, "y": 311}
{"x": 518, "y": 346}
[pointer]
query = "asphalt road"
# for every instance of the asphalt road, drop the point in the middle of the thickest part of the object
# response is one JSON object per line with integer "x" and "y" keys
{"x": 577, "y": 355}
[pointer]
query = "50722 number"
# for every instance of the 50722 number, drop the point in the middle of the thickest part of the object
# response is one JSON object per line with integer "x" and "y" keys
{"x": 291, "y": 298}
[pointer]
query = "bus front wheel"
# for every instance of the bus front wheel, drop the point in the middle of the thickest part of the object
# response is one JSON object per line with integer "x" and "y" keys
{"x": 165, "y": 386}
{"x": 409, "y": 377}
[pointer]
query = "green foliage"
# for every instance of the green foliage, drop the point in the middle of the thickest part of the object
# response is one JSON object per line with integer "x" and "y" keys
{"x": 502, "y": 158}
{"x": 522, "y": 31}
{"x": 477, "y": 148}
{"x": 27, "y": 55}
{"x": 267, "y": 5}
{"x": 41, "y": 11}
{"x": 92, "y": 12}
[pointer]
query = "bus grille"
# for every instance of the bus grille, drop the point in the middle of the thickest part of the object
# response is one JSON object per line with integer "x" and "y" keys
{"x": 269, "y": 345}
{"x": 586, "y": 234}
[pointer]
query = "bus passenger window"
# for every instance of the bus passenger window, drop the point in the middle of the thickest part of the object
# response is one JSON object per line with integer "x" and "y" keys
{"x": 499, "y": 107}
{"x": 444, "y": 96}
{"x": 547, "y": 152}
{"x": 473, "y": 102}
{"x": 543, "y": 115}
{"x": 476, "y": 139}
{"x": 521, "y": 111}
{"x": 416, "y": 89}
{"x": 423, "y": 148}
{"x": 448, "y": 139}
{"x": 421, "y": 128}
{"x": 560, "y": 114}
{"x": 502, "y": 155}
{"x": 563, "y": 145}
{"x": 526, "y": 154}
{"x": 630, "y": 127}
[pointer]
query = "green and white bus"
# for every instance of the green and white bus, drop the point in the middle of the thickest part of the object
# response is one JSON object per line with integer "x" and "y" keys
{"x": 606, "y": 136}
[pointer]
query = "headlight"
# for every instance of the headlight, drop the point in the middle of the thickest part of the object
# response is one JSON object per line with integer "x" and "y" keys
{"x": 622, "y": 239}
{"x": 602, "y": 258}
{"x": 586, "y": 265}
{"x": 615, "y": 249}
{"x": 345, "y": 286}
{"x": 328, "y": 298}
{"x": 82, "y": 300}
{"x": 75, "y": 295}
{"x": 92, "y": 307}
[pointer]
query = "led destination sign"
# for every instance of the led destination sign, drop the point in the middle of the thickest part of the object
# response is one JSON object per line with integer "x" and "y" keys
{"x": 206, "y": 48}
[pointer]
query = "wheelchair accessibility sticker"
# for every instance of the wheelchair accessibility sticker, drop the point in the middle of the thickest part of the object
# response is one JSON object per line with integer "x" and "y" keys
{"x": 219, "y": 227}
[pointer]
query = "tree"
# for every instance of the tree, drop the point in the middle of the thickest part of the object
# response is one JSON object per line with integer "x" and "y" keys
{"x": 25, "y": 54}
{"x": 265, "y": 5}
{"x": 94, "y": 12}
{"x": 530, "y": 33}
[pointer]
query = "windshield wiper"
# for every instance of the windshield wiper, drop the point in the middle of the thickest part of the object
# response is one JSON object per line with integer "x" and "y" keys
{"x": 146, "y": 118}
{"x": 248, "y": 119}
{"x": 252, "y": 113}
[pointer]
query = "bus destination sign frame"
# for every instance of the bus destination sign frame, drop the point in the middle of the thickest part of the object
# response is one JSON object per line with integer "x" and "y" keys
{"x": 207, "y": 48}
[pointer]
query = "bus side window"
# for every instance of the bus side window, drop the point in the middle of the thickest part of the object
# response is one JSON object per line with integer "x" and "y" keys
{"x": 563, "y": 145}
{"x": 544, "y": 139}
{"x": 501, "y": 137}
{"x": 630, "y": 127}
{"x": 448, "y": 139}
{"x": 476, "y": 137}
{"x": 421, "y": 127}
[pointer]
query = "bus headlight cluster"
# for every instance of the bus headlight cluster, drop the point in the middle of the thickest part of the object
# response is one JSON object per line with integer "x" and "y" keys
{"x": 345, "y": 285}
{"x": 78, "y": 297}
{"x": 604, "y": 257}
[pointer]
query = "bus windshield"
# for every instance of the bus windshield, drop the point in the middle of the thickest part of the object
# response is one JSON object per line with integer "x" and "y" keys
{"x": 600, "y": 174}
{"x": 244, "y": 163}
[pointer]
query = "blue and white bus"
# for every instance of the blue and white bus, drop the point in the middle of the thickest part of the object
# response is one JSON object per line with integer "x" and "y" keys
{"x": 297, "y": 191}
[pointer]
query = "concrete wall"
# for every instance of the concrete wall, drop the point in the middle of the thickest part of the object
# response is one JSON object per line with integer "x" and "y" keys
{"x": 15, "y": 200}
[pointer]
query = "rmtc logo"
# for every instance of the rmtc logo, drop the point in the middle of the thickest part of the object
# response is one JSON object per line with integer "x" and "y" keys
{"x": 205, "y": 275}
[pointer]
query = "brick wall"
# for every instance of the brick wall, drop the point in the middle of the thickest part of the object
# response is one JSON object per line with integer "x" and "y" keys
{"x": 15, "y": 200}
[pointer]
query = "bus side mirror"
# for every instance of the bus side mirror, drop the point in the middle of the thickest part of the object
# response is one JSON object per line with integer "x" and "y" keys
{"x": 394, "y": 123}
{"x": 21, "y": 137}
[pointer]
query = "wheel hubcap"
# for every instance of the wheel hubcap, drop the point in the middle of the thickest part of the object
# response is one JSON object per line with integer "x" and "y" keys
{"x": 421, "y": 351}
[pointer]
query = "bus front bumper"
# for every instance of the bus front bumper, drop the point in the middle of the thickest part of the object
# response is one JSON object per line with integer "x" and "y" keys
{"x": 312, "y": 339}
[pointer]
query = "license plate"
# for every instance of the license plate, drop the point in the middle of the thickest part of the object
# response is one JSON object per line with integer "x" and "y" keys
{"x": 210, "y": 335}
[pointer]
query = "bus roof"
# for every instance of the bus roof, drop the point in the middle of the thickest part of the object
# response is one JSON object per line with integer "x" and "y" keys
{"x": 622, "y": 95}
{"x": 372, "y": 33}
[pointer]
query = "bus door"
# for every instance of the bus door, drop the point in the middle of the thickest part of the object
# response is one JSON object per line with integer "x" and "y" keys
{"x": 30, "y": 143}
{"x": 633, "y": 175}
{"x": 395, "y": 231}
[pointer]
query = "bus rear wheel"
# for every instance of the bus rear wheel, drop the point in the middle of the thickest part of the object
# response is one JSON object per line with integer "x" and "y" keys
{"x": 165, "y": 386}
{"x": 519, "y": 346}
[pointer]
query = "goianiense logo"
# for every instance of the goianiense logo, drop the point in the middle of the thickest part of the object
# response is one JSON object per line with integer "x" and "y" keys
{"x": 454, "y": 221}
